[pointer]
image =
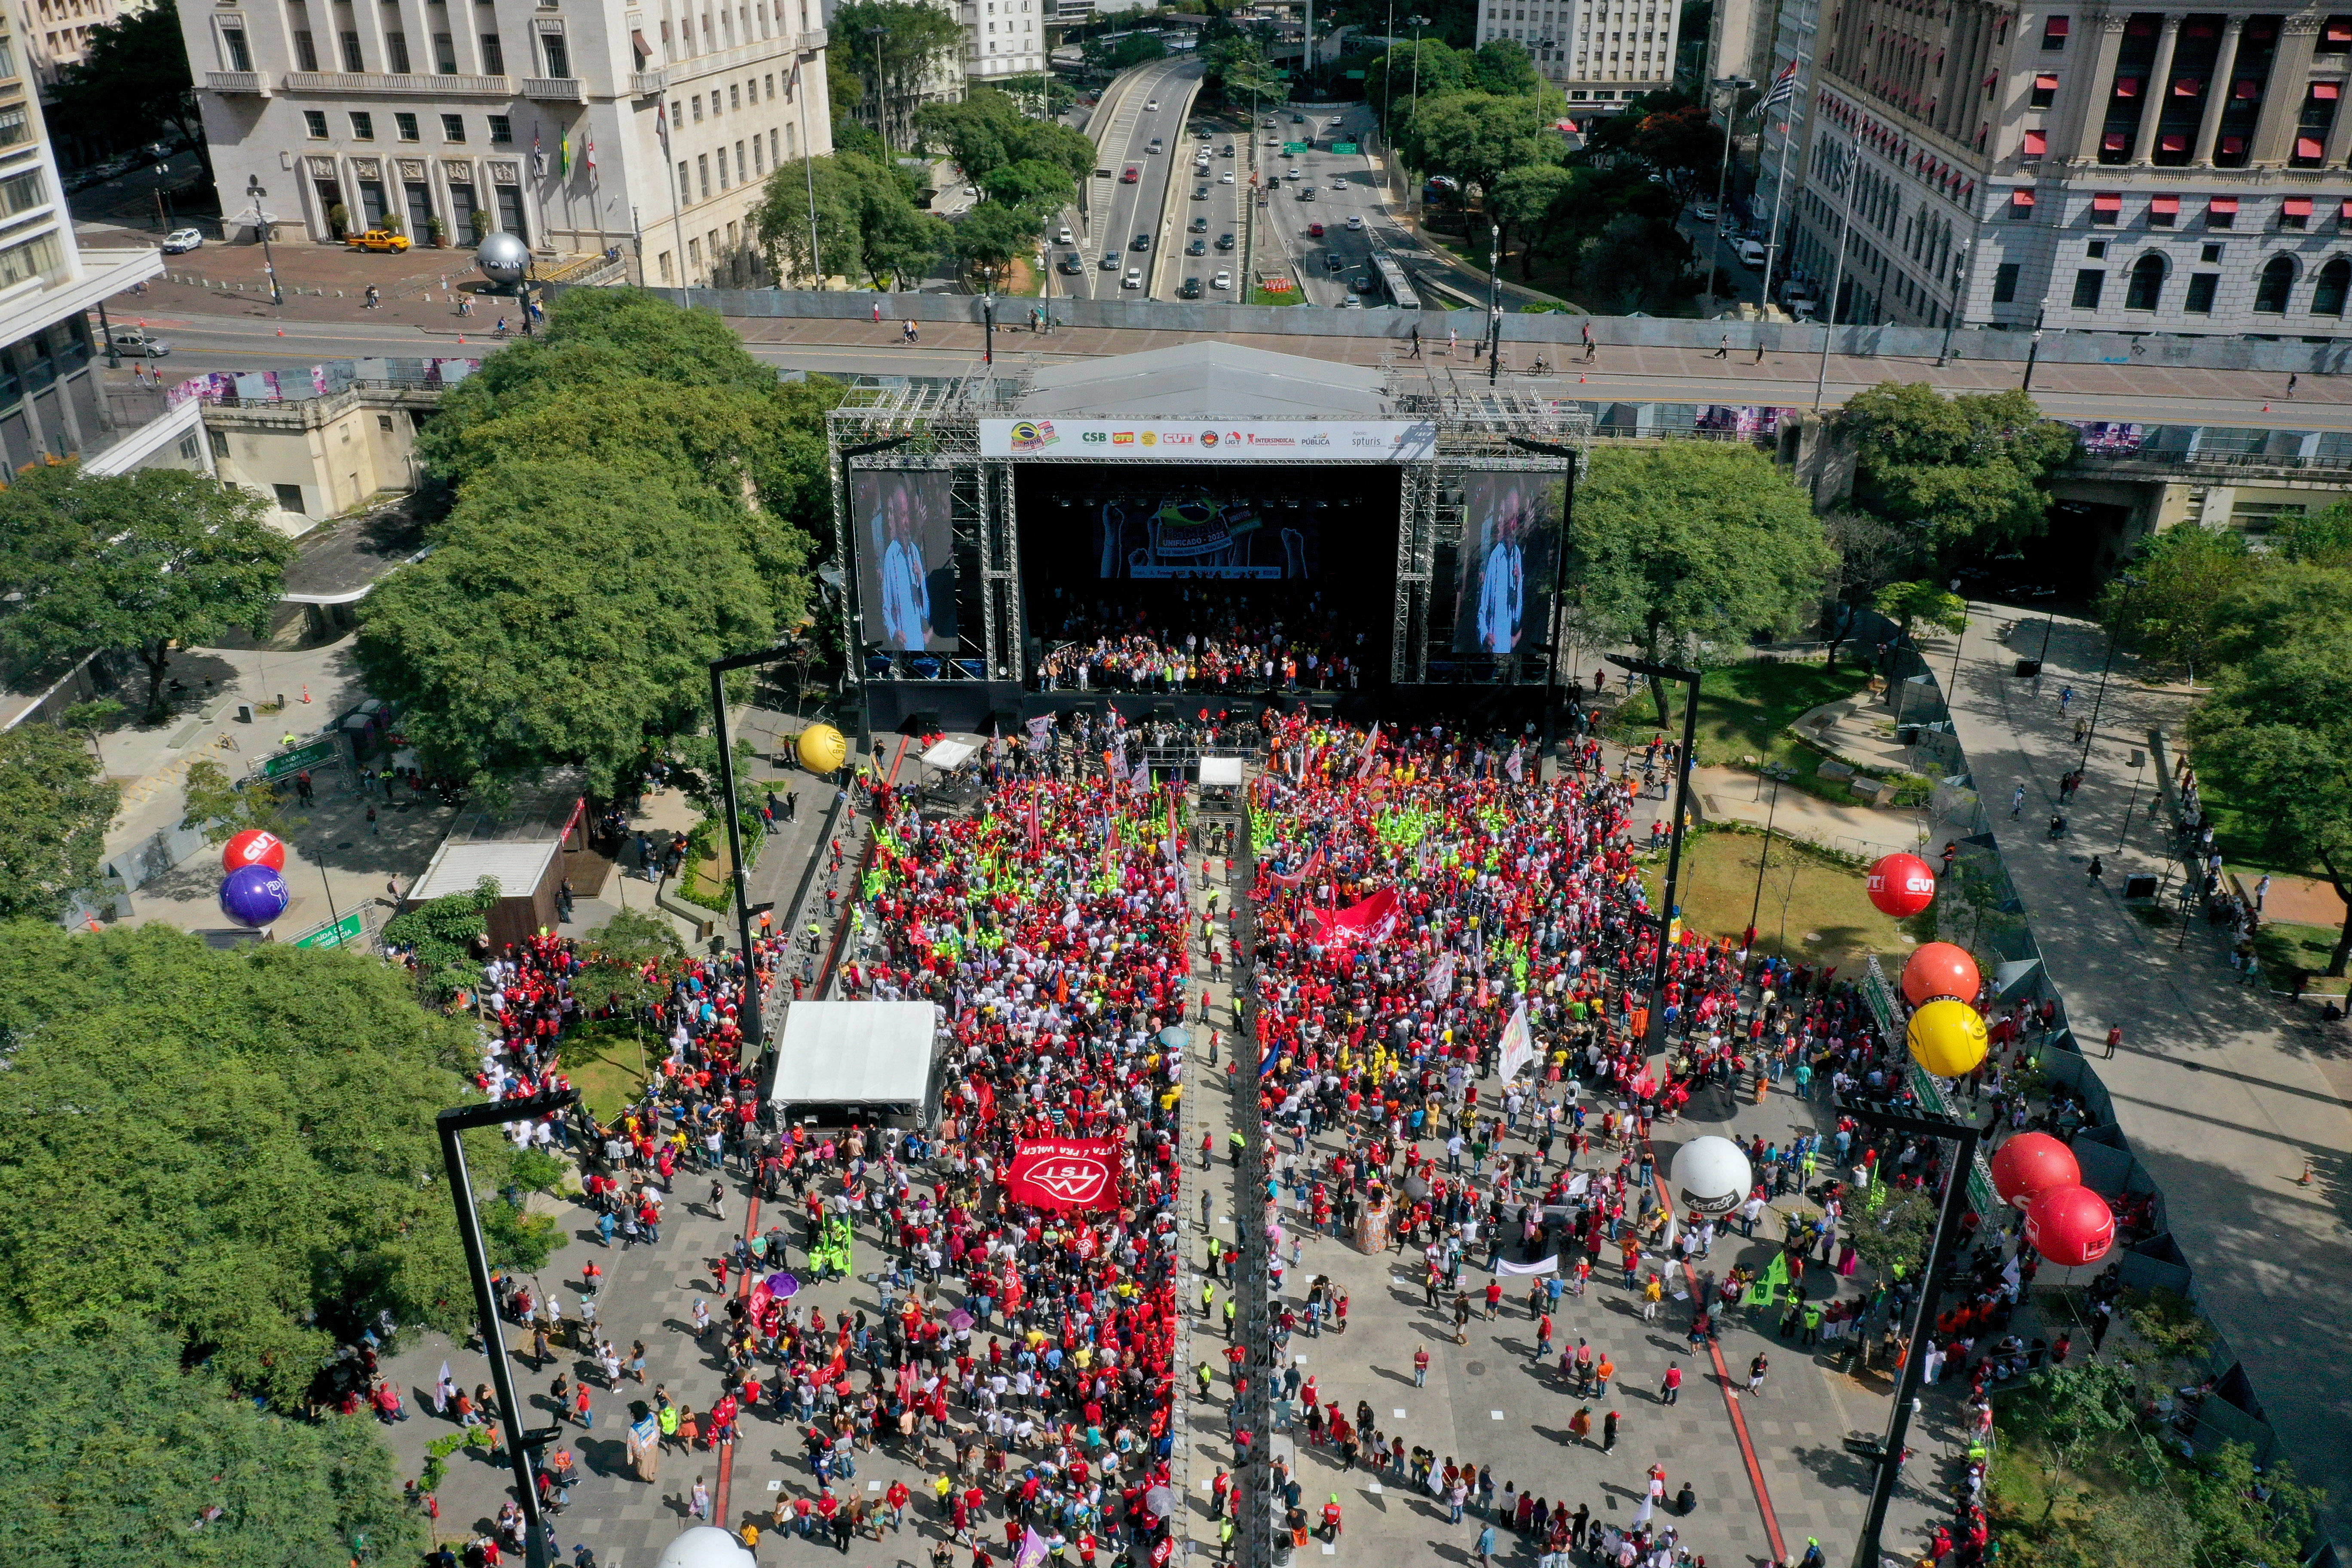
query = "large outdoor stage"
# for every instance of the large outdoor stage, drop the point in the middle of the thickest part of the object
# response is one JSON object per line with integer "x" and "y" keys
{"x": 1002, "y": 529}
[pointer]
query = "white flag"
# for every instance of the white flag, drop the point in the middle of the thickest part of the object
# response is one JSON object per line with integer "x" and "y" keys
{"x": 1514, "y": 765}
{"x": 1439, "y": 980}
{"x": 1519, "y": 1046}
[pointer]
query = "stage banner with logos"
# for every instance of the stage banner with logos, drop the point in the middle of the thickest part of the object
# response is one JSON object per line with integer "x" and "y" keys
{"x": 1065, "y": 1173}
{"x": 1200, "y": 441}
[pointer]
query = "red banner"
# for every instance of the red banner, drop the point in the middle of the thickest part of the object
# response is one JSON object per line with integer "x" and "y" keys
{"x": 1064, "y": 1173}
{"x": 1371, "y": 922}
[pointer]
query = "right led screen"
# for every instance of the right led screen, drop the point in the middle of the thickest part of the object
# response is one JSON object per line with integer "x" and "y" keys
{"x": 1508, "y": 527}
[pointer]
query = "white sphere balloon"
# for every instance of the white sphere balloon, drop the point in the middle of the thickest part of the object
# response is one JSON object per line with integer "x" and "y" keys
{"x": 707, "y": 1546}
{"x": 1710, "y": 1175}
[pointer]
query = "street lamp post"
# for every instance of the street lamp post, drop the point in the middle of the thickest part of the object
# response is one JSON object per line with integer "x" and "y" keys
{"x": 1734, "y": 85}
{"x": 1837, "y": 274}
{"x": 2033, "y": 349}
{"x": 881, "y": 125}
{"x": 1417, "y": 24}
{"x": 1952, "y": 321}
{"x": 987, "y": 325}
{"x": 1654, "y": 1039}
{"x": 1779, "y": 775}
{"x": 1494, "y": 300}
{"x": 253, "y": 188}
{"x": 2091, "y": 732}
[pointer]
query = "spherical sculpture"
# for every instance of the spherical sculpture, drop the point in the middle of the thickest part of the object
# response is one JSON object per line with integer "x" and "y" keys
{"x": 2030, "y": 1164}
{"x": 1940, "y": 968}
{"x": 1710, "y": 1175}
{"x": 821, "y": 749}
{"x": 1947, "y": 1037}
{"x": 254, "y": 847}
{"x": 254, "y": 895}
{"x": 1901, "y": 885}
{"x": 2069, "y": 1227}
{"x": 707, "y": 1546}
{"x": 502, "y": 258}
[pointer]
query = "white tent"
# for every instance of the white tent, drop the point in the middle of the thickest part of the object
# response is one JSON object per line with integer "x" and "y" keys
{"x": 855, "y": 1061}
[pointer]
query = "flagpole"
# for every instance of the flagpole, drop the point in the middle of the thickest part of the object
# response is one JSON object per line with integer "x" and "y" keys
{"x": 1780, "y": 178}
{"x": 673, "y": 178}
{"x": 808, "y": 165}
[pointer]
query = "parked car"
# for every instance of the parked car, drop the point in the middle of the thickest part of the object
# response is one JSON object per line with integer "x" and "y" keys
{"x": 378, "y": 240}
{"x": 180, "y": 241}
{"x": 132, "y": 340}
{"x": 1703, "y": 211}
{"x": 1752, "y": 253}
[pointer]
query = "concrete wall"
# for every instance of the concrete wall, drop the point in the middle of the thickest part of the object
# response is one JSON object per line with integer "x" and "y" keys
{"x": 337, "y": 451}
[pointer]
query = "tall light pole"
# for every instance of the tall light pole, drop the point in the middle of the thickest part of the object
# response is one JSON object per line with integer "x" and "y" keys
{"x": 1388, "y": 75}
{"x": 1494, "y": 300}
{"x": 2090, "y": 730}
{"x": 1959, "y": 299}
{"x": 1837, "y": 273}
{"x": 1654, "y": 1037}
{"x": 881, "y": 125}
{"x": 1417, "y": 24}
{"x": 1734, "y": 85}
{"x": 1779, "y": 775}
{"x": 261, "y": 229}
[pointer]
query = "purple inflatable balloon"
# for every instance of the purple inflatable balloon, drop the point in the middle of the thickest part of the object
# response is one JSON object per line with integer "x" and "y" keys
{"x": 253, "y": 895}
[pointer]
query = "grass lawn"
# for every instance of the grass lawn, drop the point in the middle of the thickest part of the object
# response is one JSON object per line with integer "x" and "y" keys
{"x": 1745, "y": 711}
{"x": 603, "y": 1065}
{"x": 1275, "y": 297}
{"x": 2282, "y": 948}
{"x": 1815, "y": 910}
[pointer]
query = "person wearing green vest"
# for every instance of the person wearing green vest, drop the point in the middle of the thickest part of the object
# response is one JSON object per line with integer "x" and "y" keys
{"x": 1234, "y": 1144}
{"x": 1225, "y": 1538}
{"x": 1229, "y": 1317}
{"x": 1208, "y": 1300}
{"x": 668, "y": 1417}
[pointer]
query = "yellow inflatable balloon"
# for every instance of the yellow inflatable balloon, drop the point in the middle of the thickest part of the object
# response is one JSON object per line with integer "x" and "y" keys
{"x": 823, "y": 750}
{"x": 1947, "y": 1037}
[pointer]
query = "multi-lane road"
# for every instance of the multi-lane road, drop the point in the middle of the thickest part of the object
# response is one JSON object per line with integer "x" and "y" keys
{"x": 1145, "y": 105}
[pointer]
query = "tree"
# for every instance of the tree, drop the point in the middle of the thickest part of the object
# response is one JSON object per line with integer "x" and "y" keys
{"x": 2276, "y": 737}
{"x": 136, "y": 561}
{"x": 1906, "y": 603}
{"x": 1894, "y": 1230}
{"x": 1972, "y": 470}
{"x": 986, "y": 130}
{"x": 903, "y": 46}
{"x": 1871, "y": 553}
{"x": 1475, "y": 136}
{"x": 1032, "y": 186}
{"x": 54, "y": 808}
{"x": 1633, "y": 264}
{"x": 990, "y": 234}
{"x": 1504, "y": 68}
{"x": 235, "y": 1146}
{"x": 1681, "y": 145}
{"x": 2323, "y": 538}
{"x": 1236, "y": 66}
{"x": 1393, "y": 81}
{"x": 120, "y": 1457}
{"x": 439, "y": 935}
{"x": 222, "y": 808}
{"x": 866, "y": 221}
{"x": 1532, "y": 200}
{"x": 2074, "y": 1406}
{"x": 1689, "y": 541}
{"x": 132, "y": 81}
{"x": 2171, "y": 606}
{"x": 622, "y": 969}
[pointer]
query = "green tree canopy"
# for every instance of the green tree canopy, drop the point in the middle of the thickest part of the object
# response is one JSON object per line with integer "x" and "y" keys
{"x": 133, "y": 561}
{"x": 1972, "y": 470}
{"x": 2173, "y": 606}
{"x": 1677, "y": 545}
{"x": 1910, "y": 603}
{"x": 1392, "y": 80}
{"x": 119, "y": 1456}
{"x": 2323, "y": 538}
{"x": 132, "y": 80}
{"x": 236, "y": 1146}
{"x": 1635, "y": 263}
{"x": 986, "y": 130}
{"x": 1533, "y": 201}
{"x": 902, "y": 47}
{"x": 1475, "y": 136}
{"x": 866, "y": 222}
{"x": 54, "y": 811}
{"x": 1503, "y": 67}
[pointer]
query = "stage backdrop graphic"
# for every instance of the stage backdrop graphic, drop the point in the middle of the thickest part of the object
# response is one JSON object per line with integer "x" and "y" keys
{"x": 905, "y": 558}
{"x": 1193, "y": 531}
{"x": 1506, "y": 573}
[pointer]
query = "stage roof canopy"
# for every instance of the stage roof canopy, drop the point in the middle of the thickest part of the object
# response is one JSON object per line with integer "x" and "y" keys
{"x": 855, "y": 1053}
{"x": 1205, "y": 380}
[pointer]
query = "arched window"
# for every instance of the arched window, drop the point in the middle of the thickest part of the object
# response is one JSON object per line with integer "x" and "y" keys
{"x": 2273, "y": 285}
{"x": 2147, "y": 283}
{"x": 2334, "y": 282}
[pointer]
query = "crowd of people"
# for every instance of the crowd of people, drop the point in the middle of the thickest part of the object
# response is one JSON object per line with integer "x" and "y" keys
{"x": 1194, "y": 639}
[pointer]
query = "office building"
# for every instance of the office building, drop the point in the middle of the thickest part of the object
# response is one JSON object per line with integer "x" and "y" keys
{"x": 2081, "y": 167}
{"x": 1600, "y": 53}
{"x": 581, "y": 125}
{"x": 55, "y": 33}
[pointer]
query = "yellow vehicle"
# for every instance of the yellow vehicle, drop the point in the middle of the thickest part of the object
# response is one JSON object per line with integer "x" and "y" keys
{"x": 378, "y": 240}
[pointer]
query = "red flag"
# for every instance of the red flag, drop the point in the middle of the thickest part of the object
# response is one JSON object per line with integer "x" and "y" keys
{"x": 1371, "y": 922}
{"x": 1062, "y": 1173}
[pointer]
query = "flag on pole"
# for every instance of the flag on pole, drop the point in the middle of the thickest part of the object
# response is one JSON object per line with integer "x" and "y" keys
{"x": 661, "y": 126}
{"x": 591, "y": 154}
{"x": 1518, "y": 1045}
{"x": 1371, "y": 748}
{"x": 1516, "y": 765}
{"x": 538, "y": 158}
{"x": 1439, "y": 982}
{"x": 1783, "y": 88}
{"x": 563, "y": 156}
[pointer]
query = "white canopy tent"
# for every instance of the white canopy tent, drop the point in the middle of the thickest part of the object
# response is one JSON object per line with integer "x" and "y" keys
{"x": 862, "y": 1061}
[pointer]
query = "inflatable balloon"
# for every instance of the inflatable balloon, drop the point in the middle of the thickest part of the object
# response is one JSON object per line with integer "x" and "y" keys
{"x": 1901, "y": 885}
{"x": 254, "y": 895}
{"x": 1947, "y": 1037}
{"x": 821, "y": 749}
{"x": 1710, "y": 1175}
{"x": 2069, "y": 1227}
{"x": 1940, "y": 968}
{"x": 254, "y": 847}
{"x": 2030, "y": 1164}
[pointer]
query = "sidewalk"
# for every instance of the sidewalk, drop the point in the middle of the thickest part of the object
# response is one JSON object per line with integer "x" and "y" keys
{"x": 2223, "y": 1091}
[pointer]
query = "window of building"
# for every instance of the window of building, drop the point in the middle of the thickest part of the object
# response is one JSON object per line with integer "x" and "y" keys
{"x": 8, "y": 58}
{"x": 702, "y": 172}
{"x": 2334, "y": 282}
{"x": 2209, "y": 253}
{"x": 734, "y": 96}
{"x": 771, "y": 81}
{"x": 34, "y": 259}
{"x": 2037, "y": 145}
{"x": 2295, "y": 213}
{"x": 723, "y": 183}
{"x": 189, "y": 449}
{"x": 2147, "y": 285}
{"x": 2163, "y": 212}
{"x": 396, "y": 51}
{"x": 2089, "y": 284}
{"x": 444, "y": 53}
{"x": 501, "y": 128}
{"x": 219, "y": 441}
{"x": 2273, "y": 285}
{"x": 2106, "y": 207}
{"x": 696, "y": 102}
{"x": 306, "y": 52}
{"x": 558, "y": 55}
{"x": 685, "y": 187}
{"x": 14, "y": 125}
{"x": 693, "y": 257}
{"x": 240, "y": 58}
{"x": 2334, "y": 37}
{"x": 314, "y": 120}
{"x": 2054, "y": 31}
{"x": 453, "y": 127}
{"x": 289, "y": 498}
{"x": 353, "y": 59}
{"x": 663, "y": 264}
{"x": 362, "y": 125}
{"x": 2221, "y": 212}
{"x": 2046, "y": 90}
{"x": 22, "y": 192}
{"x": 403, "y": 125}
{"x": 2021, "y": 205}
{"x": 2004, "y": 283}
{"x": 2097, "y": 249}
{"x": 494, "y": 54}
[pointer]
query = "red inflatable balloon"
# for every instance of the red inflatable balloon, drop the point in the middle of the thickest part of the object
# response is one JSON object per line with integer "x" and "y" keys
{"x": 2069, "y": 1227}
{"x": 2030, "y": 1164}
{"x": 254, "y": 847}
{"x": 1901, "y": 885}
{"x": 1940, "y": 968}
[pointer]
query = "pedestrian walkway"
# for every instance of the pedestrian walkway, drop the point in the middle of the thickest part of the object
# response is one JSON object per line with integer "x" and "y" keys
{"x": 2224, "y": 1091}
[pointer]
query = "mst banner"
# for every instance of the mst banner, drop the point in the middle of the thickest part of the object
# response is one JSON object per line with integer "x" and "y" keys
{"x": 1065, "y": 1173}
{"x": 1506, "y": 561}
{"x": 1197, "y": 441}
{"x": 905, "y": 558}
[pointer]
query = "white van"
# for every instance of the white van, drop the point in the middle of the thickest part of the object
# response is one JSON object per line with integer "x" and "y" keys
{"x": 1751, "y": 254}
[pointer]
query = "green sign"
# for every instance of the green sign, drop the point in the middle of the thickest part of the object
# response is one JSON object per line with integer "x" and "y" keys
{"x": 301, "y": 757}
{"x": 335, "y": 933}
{"x": 1291, "y": 148}
{"x": 1355, "y": 76}
{"x": 1343, "y": 147}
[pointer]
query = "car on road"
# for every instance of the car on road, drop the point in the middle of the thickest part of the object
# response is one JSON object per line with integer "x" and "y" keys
{"x": 1221, "y": 280}
{"x": 1339, "y": 185}
{"x": 1356, "y": 223}
{"x": 1314, "y": 231}
{"x": 1196, "y": 246}
{"x": 1290, "y": 173}
{"x": 1199, "y": 224}
{"x": 1752, "y": 253}
{"x": 378, "y": 240}
{"x": 1306, "y": 193}
{"x": 1365, "y": 285}
{"x": 1199, "y": 193}
{"x": 1151, "y": 106}
{"x": 1134, "y": 279}
{"x": 1332, "y": 263}
{"x": 1140, "y": 242}
{"x": 1188, "y": 289}
{"x": 1703, "y": 211}
{"x": 1070, "y": 265}
{"x": 1157, "y": 145}
{"x": 1226, "y": 178}
{"x": 1269, "y": 122}
{"x": 1062, "y": 236}
{"x": 1298, "y": 120}
{"x": 1224, "y": 242}
{"x": 1132, "y": 175}
{"x": 180, "y": 241}
{"x": 138, "y": 344}
{"x": 1110, "y": 261}
{"x": 1226, "y": 150}
{"x": 1351, "y": 303}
